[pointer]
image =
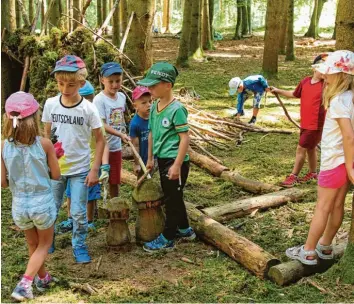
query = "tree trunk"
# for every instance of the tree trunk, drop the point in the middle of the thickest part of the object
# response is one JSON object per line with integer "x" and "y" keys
{"x": 183, "y": 52}
{"x": 76, "y": 12}
{"x": 241, "y": 208}
{"x": 240, "y": 249}
{"x": 18, "y": 15}
{"x": 9, "y": 14}
{"x": 166, "y": 15}
{"x": 283, "y": 33}
{"x": 244, "y": 18}
{"x": 104, "y": 9}
{"x": 292, "y": 271}
{"x": 249, "y": 16}
{"x": 30, "y": 10}
{"x": 43, "y": 6}
{"x": 335, "y": 25}
{"x": 116, "y": 27}
{"x": 290, "y": 50}
{"x": 271, "y": 37}
{"x": 206, "y": 37}
{"x": 211, "y": 18}
{"x": 317, "y": 10}
{"x": 99, "y": 13}
{"x": 54, "y": 14}
{"x": 345, "y": 25}
{"x": 195, "y": 50}
{"x": 237, "y": 35}
{"x": 139, "y": 43}
{"x": 123, "y": 15}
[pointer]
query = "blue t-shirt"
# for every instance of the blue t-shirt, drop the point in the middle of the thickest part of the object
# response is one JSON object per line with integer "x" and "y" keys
{"x": 139, "y": 128}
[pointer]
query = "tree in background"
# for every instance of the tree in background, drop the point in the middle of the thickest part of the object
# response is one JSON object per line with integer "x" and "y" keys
{"x": 99, "y": 13}
{"x": 244, "y": 18}
{"x": 249, "y": 16}
{"x": 283, "y": 31}
{"x": 195, "y": 49}
{"x": 123, "y": 15}
{"x": 18, "y": 14}
{"x": 54, "y": 14}
{"x": 8, "y": 15}
{"x": 76, "y": 12}
{"x": 237, "y": 35}
{"x": 116, "y": 27}
{"x": 317, "y": 11}
{"x": 183, "y": 52}
{"x": 206, "y": 28}
{"x": 345, "y": 25}
{"x": 290, "y": 53}
{"x": 211, "y": 17}
{"x": 166, "y": 16}
{"x": 30, "y": 10}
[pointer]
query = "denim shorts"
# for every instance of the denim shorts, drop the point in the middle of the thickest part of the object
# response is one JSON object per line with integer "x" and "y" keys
{"x": 94, "y": 192}
{"x": 36, "y": 211}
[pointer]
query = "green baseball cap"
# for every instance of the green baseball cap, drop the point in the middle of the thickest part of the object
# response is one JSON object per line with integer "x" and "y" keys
{"x": 160, "y": 71}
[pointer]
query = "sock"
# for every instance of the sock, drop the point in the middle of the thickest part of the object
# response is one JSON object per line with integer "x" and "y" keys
{"x": 46, "y": 276}
{"x": 26, "y": 280}
{"x": 183, "y": 230}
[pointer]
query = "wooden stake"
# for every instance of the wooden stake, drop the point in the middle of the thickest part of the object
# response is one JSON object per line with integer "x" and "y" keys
{"x": 122, "y": 45}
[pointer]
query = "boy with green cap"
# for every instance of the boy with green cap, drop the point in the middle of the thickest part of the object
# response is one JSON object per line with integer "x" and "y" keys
{"x": 169, "y": 142}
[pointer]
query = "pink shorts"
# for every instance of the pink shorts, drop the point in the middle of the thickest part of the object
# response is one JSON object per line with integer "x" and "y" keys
{"x": 334, "y": 178}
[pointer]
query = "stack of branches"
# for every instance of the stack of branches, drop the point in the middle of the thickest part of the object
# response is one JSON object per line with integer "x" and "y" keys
{"x": 210, "y": 129}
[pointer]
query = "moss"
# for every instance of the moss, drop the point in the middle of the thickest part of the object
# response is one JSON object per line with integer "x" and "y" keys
{"x": 117, "y": 204}
{"x": 344, "y": 269}
{"x": 150, "y": 190}
{"x": 28, "y": 46}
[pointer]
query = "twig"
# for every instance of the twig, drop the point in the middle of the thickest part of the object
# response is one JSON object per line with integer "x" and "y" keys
{"x": 141, "y": 179}
{"x": 127, "y": 89}
{"x": 314, "y": 284}
{"x": 121, "y": 48}
{"x": 286, "y": 111}
{"x": 84, "y": 287}
{"x": 94, "y": 58}
{"x": 184, "y": 259}
{"x": 128, "y": 97}
{"x": 99, "y": 263}
{"x": 105, "y": 23}
{"x": 24, "y": 13}
{"x": 86, "y": 5}
{"x": 198, "y": 134}
{"x": 240, "y": 138}
{"x": 208, "y": 153}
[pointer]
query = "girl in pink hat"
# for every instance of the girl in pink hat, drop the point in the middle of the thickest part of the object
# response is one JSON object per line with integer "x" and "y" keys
{"x": 28, "y": 164}
{"x": 337, "y": 159}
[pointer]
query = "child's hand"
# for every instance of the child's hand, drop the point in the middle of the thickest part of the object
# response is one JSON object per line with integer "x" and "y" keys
{"x": 136, "y": 169}
{"x": 174, "y": 172}
{"x": 150, "y": 164}
{"x": 125, "y": 138}
{"x": 92, "y": 178}
{"x": 268, "y": 89}
{"x": 274, "y": 90}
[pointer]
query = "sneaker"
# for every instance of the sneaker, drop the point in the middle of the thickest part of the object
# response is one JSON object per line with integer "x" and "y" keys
{"x": 65, "y": 226}
{"x": 22, "y": 292}
{"x": 307, "y": 257}
{"x": 253, "y": 120}
{"x": 159, "y": 244}
{"x": 308, "y": 177}
{"x": 324, "y": 252}
{"x": 290, "y": 181}
{"x": 91, "y": 226}
{"x": 43, "y": 284}
{"x": 81, "y": 255}
{"x": 189, "y": 235}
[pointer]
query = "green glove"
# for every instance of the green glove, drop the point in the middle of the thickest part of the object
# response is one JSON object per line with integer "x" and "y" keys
{"x": 104, "y": 174}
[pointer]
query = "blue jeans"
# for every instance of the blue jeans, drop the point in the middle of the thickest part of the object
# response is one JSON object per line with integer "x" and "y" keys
{"x": 257, "y": 97}
{"x": 79, "y": 197}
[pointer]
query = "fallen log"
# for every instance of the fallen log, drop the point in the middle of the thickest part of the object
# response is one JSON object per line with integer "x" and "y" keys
{"x": 246, "y": 206}
{"x": 128, "y": 178}
{"x": 240, "y": 249}
{"x": 293, "y": 271}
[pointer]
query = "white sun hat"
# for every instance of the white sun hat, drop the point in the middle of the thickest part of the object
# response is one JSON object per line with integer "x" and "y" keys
{"x": 337, "y": 62}
{"x": 234, "y": 83}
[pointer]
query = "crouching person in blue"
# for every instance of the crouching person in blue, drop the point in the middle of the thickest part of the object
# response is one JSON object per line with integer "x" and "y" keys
{"x": 254, "y": 84}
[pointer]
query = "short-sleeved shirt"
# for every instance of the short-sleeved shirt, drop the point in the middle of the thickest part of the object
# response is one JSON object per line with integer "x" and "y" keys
{"x": 112, "y": 111}
{"x": 165, "y": 126}
{"x": 332, "y": 150}
{"x": 312, "y": 113}
{"x": 71, "y": 128}
{"x": 139, "y": 127}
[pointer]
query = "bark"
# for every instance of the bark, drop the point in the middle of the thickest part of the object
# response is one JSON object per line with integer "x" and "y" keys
{"x": 206, "y": 163}
{"x": 292, "y": 271}
{"x": 290, "y": 50}
{"x": 54, "y": 14}
{"x": 244, "y": 18}
{"x": 30, "y": 10}
{"x": 124, "y": 15}
{"x": 206, "y": 34}
{"x": 317, "y": 10}
{"x": 116, "y": 27}
{"x": 195, "y": 50}
{"x": 335, "y": 25}
{"x": 345, "y": 25}
{"x": 183, "y": 52}
{"x": 139, "y": 43}
{"x": 211, "y": 17}
{"x": 128, "y": 178}
{"x": 76, "y": 12}
{"x": 99, "y": 13}
{"x": 249, "y": 16}
{"x": 240, "y": 249}
{"x": 237, "y": 35}
{"x": 271, "y": 37}
{"x": 8, "y": 15}
{"x": 18, "y": 15}
{"x": 166, "y": 16}
{"x": 283, "y": 34}
{"x": 241, "y": 208}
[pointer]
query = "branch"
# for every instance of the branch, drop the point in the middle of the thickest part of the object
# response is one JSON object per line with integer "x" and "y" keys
{"x": 45, "y": 20}
{"x": 286, "y": 111}
{"x": 105, "y": 23}
{"x": 121, "y": 48}
{"x": 87, "y": 4}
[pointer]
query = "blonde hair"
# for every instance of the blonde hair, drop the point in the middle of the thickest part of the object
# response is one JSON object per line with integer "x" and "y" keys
{"x": 26, "y": 131}
{"x": 79, "y": 75}
{"x": 341, "y": 83}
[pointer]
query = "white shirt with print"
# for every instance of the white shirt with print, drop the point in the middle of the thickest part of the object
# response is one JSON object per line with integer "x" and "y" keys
{"x": 71, "y": 128}
{"x": 332, "y": 150}
{"x": 112, "y": 111}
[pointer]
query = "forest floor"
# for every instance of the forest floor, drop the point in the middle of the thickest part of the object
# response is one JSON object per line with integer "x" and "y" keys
{"x": 213, "y": 277}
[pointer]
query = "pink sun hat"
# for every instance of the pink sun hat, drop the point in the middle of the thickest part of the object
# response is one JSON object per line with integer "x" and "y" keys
{"x": 139, "y": 91}
{"x": 337, "y": 62}
{"x": 20, "y": 105}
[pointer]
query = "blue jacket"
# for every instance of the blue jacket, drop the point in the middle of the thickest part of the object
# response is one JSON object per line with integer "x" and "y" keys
{"x": 254, "y": 83}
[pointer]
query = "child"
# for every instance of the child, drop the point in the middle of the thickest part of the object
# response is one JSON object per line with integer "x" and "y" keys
{"x": 168, "y": 141}
{"x": 312, "y": 114}
{"x": 337, "y": 158}
{"x": 94, "y": 192}
{"x": 256, "y": 85}
{"x": 71, "y": 119}
{"x": 111, "y": 106}
{"x": 30, "y": 162}
{"x": 139, "y": 130}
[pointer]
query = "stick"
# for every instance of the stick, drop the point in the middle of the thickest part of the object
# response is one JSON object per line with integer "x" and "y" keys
{"x": 141, "y": 179}
{"x": 105, "y": 23}
{"x": 210, "y": 131}
{"x": 87, "y": 4}
{"x": 84, "y": 287}
{"x": 24, "y": 13}
{"x": 208, "y": 153}
{"x": 240, "y": 139}
{"x": 197, "y": 133}
{"x": 286, "y": 111}
{"x": 99, "y": 263}
{"x": 121, "y": 48}
{"x": 136, "y": 154}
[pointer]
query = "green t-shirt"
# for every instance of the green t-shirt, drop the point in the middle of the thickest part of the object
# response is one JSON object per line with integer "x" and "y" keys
{"x": 165, "y": 126}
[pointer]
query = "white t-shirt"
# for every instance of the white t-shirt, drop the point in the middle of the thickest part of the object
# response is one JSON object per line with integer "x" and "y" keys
{"x": 72, "y": 127}
{"x": 332, "y": 150}
{"x": 112, "y": 111}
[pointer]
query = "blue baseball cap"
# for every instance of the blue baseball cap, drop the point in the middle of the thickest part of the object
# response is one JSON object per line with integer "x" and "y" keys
{"x": 69, "y": 63}
{"x": 110, "y": 68}
{"x": 87, "y": 89}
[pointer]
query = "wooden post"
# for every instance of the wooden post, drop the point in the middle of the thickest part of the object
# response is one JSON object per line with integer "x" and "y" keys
{"x": 124, "y": 40}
